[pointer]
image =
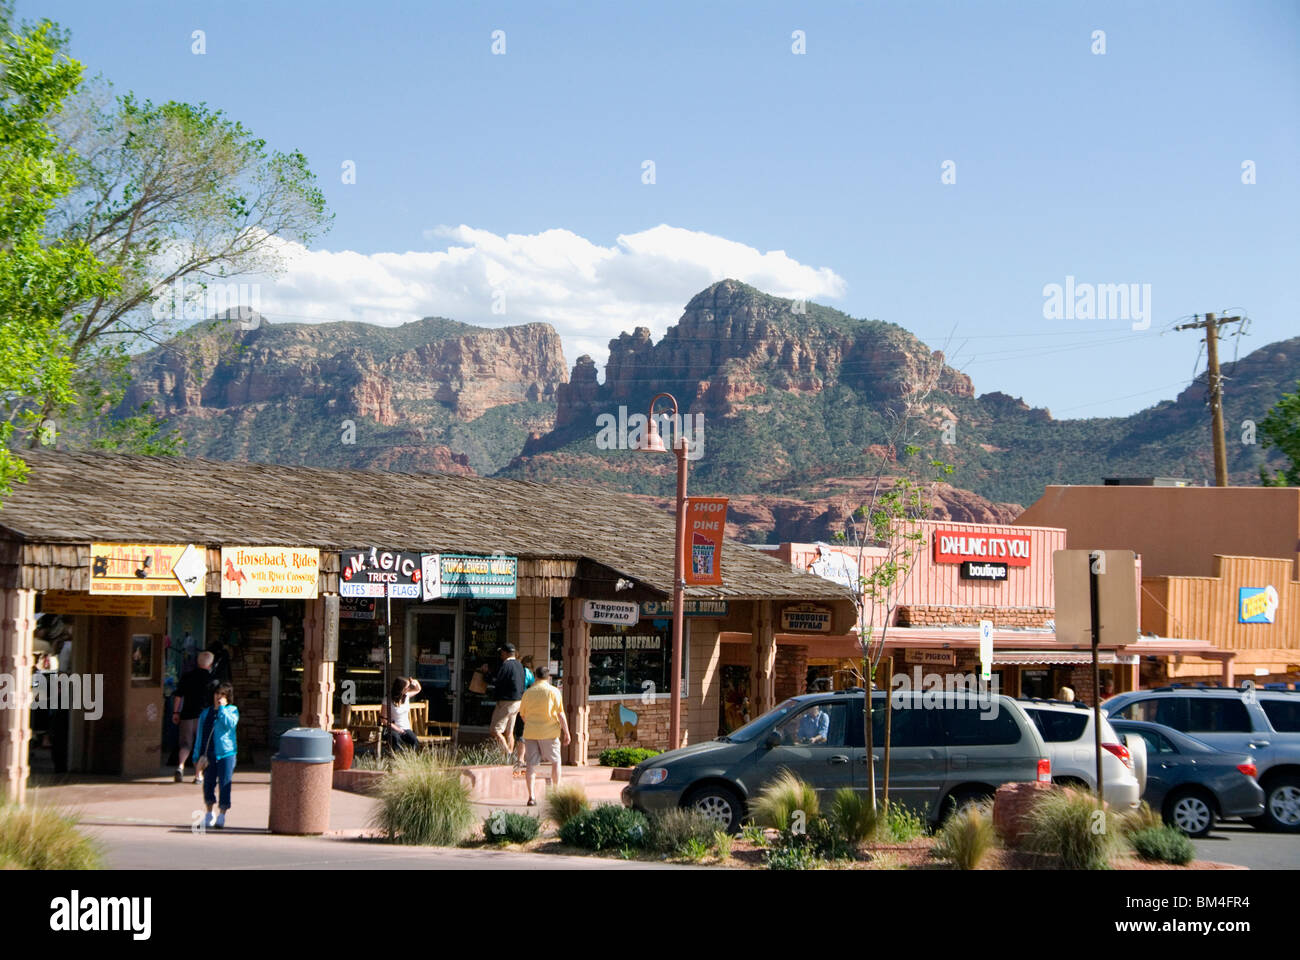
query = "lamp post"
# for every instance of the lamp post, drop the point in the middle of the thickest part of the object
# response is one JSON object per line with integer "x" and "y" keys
{"x": 655, "y": 444}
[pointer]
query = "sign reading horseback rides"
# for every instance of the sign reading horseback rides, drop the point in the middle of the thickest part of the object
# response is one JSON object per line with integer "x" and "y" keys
{"x": 147, "y": 569}
{"x": 456, "y": 576}
{"x": 706, "y": 524}
{"x": 263, "y": 572}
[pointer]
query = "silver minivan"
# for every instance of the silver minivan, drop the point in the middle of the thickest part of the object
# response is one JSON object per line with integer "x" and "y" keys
{"x": 945, "y": 750}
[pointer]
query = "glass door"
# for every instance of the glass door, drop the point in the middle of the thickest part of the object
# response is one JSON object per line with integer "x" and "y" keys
{"x": 485, "y": 632}
{"x": 431, "y": 657}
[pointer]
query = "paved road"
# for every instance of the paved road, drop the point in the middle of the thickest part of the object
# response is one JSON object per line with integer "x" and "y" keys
{"x": 151, "y": 847}
{"x": 1235, "y": 842}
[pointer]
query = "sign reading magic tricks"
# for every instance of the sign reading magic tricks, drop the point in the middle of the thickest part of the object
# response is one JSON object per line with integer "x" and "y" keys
{"x": 372, "y": 572}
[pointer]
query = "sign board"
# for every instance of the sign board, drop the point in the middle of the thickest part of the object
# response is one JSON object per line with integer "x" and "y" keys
{"x": 430, "y": 576}
{"x": 257, "y": 572}
{"x": 986, "y": 649}
{"x": 330, "y": 628}
{"x": 806, "y": 616}
{"x": 1257, "y": 605}
{"x": 657, "y": 609}
{"x": 618, "y": 612}
{"x": 71, "y": 602}
{"x": 356, "y": 608}
{"x": 836, "y": 566}
{"x": 476, "y": 578}
{"x": 706, "y": 525}
{"x": 941, "y": 657}
{"x": 973, "y": 570}
{"x": 1116, "y": 596}
{"x": 958, "y": 546}
{"x": 145, "y": 569}
{"x": 370, "y": 571}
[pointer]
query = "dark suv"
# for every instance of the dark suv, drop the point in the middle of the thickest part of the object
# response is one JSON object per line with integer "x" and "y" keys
{"x": 1263, "y": 723}
{"x": 945, "y": 750}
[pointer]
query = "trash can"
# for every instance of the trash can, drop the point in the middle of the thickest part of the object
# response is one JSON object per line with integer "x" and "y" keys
{"x": 302, "y": 775}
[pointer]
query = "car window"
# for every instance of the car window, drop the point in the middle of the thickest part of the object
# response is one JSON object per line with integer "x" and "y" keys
{"x": 1284, "y": 715}
{"x": 1156, "y": 742}
{"x": 971, "y": 728}
{"x": 1057, "y": 726}
{"x": 909, "y": 726}
{"x": 820, "y": 725}
{"x": 1216, "y": 715}
{"x": 764, "y": 722}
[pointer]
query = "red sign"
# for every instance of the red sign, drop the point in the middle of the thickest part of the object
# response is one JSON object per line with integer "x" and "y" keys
{"x": 706, "y": 523}
{"x": 959, "y": 546}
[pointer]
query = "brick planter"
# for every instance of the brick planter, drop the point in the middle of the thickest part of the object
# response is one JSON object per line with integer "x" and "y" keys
{"x": 621, "y": 773}
{"x": 357, "y": 781}
{"x": 1011, "y": 804}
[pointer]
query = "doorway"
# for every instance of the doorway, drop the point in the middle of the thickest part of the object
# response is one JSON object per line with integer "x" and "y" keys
{"x": 432, "y": 653}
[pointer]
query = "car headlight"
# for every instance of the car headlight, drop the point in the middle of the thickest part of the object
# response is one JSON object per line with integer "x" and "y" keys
{"x": 653, "y": 776}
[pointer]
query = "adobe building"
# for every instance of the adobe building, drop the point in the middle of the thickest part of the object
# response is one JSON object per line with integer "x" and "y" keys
{"x": 1219, "y": 564}
{"x": 312, "y": 588}
{"x": 965, "y": 573}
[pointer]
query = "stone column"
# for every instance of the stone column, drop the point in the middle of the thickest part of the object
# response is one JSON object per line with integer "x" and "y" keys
{"x": 320, "y": 643}
{"x": 763, "y": 666}
{"x": 17, "y": 625}
{"x": 577, "y": 680}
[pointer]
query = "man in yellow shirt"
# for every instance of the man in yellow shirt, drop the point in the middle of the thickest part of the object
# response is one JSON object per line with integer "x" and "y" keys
{"x": 544, "y": 726}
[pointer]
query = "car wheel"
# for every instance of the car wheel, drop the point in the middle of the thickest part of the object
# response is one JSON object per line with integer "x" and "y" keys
{"x": 961, "y": 799}
{"x": 1282, "y": 804}
{"x": 719, "y": 804}
{"x": 1190, "y": 812}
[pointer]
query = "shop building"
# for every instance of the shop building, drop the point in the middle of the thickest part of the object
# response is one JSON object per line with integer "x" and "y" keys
{"x": 1219, "y": 564}
{"x": 965, "y": 573}
{"x": 516, "y": 561}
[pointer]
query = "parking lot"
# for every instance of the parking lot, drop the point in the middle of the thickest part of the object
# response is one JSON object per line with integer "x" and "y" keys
{"x": 1236, "y": 842}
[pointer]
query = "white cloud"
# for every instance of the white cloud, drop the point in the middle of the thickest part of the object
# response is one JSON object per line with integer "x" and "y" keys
{"x": 589, "y": 293}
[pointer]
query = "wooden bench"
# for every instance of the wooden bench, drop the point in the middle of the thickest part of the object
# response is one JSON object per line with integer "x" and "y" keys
{"x": 362, "y": 722}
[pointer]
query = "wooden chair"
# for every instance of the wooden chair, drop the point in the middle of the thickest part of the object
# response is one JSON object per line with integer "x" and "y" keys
{"x": 433, "y": 732}
{"x": 362, "y": 721}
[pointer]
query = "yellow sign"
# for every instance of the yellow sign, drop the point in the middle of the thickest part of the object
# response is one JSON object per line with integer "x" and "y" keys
{"x": 71, "y": 602}
{"x": 140, "y": 569}
{"x": 261, "y": 572}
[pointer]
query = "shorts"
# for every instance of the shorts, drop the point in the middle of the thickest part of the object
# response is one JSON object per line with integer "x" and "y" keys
{"x": 503, "y": 716}
{"x": 541, "y": 751}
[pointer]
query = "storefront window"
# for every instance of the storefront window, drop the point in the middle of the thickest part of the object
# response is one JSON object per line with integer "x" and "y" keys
{"x": 360, "y": 667}
{"x": 557, "y": 639}
{"x": 631, "y": 661}
{"x": 485, "y": 632}
{"x": 733, "y": 706}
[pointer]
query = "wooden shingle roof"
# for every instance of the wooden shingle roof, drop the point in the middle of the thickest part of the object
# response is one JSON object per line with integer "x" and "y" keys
{"x": 80, "y": 498}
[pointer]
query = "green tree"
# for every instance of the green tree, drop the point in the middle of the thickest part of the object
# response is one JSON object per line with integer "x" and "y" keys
{"x": 180, "y": 200}
{"x": 41, "y": 281}
{"x": 1281, "y": 429}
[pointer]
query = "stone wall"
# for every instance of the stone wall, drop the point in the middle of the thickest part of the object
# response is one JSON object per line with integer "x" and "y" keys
{"x": 651, "y": 725}
{"x": 931, "y": 616}
{"x": 791, "y": 671}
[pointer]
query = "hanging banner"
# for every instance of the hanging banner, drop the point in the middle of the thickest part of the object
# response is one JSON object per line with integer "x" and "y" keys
{"x": 477, "y": 578}
{"x": 261, "y": 572}
{"x": 370, "y": 571}
{"x": 145, "y": 569}
{"x": 706, "y": 525}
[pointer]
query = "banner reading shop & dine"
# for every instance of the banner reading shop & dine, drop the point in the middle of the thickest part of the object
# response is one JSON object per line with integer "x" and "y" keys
{"x": 706, "y": 524}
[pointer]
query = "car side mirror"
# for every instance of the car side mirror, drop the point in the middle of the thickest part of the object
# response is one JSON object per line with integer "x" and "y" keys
{"x": 773, "y": 740}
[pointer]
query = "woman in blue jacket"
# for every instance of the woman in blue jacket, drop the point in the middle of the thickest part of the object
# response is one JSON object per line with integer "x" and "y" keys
{"x": 216, "y": 733}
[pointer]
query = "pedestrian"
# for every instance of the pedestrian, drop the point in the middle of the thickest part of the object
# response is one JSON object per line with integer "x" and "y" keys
{"x": 545, "y": 728}
{"x": 1066, "y": 694}
{"x": 529, "y": 680}
{"x": 508, "y": 685}
{"x": 216, "y": 734}
{"x": 193, "y": 693}
{"x": 397, "y": 714}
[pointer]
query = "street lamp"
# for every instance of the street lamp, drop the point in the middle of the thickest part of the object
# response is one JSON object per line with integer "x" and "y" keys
{"x": 654, "y": 443}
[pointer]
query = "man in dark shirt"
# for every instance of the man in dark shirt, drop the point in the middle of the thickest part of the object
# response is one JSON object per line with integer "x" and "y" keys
{"x": 193, "y": 693}
{"x": 508, "y": 685}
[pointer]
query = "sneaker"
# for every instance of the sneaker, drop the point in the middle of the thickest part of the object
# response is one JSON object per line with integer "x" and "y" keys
{"x": 221, "y": 820}
{"x": 209, "y": 820}
{"x": 180, "y": 776}
{"x": 532, "y": 803}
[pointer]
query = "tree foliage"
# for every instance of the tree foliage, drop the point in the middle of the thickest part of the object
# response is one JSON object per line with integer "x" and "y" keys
{"x": 1281, "y": 429}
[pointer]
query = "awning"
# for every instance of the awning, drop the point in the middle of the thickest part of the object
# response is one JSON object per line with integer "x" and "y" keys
{"x": 1034, "y": 657}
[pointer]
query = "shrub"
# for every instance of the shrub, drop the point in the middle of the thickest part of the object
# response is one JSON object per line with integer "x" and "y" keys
{"x": 43, "y": 838}
{"x": 672, "y": 830}
{"x": 1143, "y": 818}
{"x": 565, "y": 802}
{"x": 626, "y": 756}
{"x": 606, "y": 827}
{"x": 422, "y": 801}
{"x": 853, "y": 817}
{"x": 1163, "y": 844}
{"x": 1073, "y": 825}
{"x": 967, "y": 836}
{"x": 694, "y": 849}
{"x": 789, "y": 853}
{"x": 900, "y": 824}
{"x": 722, "y": 844}
{"x": 482, "y": 754}
{"x": 753, "y": 833}
{"x": 510, "y": 827}
{"x": 777, "y": 803}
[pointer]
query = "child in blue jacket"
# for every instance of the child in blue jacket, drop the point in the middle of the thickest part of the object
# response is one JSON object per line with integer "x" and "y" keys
{"x": 216, "y": 735}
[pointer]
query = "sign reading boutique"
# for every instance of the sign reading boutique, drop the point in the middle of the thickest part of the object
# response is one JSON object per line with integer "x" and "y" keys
{"x": 371, "y": 572}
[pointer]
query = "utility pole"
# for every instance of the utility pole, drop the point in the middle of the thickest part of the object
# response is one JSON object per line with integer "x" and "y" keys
{"x": 1211, "y": 327}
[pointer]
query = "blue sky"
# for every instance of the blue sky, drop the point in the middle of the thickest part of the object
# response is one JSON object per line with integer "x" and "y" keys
{"x": 1122, "y": 167}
